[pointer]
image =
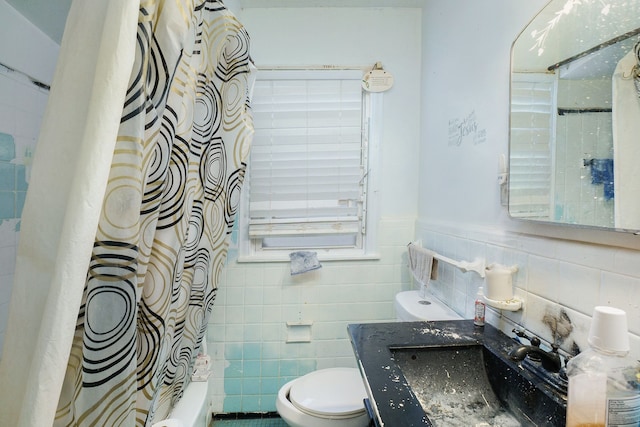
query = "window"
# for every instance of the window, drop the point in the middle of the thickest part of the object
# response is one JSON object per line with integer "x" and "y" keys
{"x": 532, "y": 141}
{"x": 310, "y": 174}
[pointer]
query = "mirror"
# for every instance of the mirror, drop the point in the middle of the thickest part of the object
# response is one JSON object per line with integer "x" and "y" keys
{"x": 574, "y": 145}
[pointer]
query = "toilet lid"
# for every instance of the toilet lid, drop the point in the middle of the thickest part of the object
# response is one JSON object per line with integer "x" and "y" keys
{"x": 329, "y": 392}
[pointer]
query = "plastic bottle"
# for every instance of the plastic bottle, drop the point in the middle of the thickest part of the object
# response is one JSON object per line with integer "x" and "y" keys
{"x": 604, "y": 387}
{"x": 478, "y": 318}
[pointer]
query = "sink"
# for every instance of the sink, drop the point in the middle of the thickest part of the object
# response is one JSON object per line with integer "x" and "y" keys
{"x": 450, "y": 373}
{"x": 470, "y": 386}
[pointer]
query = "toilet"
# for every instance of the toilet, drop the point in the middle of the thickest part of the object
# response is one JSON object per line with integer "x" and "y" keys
{"x": 332, "y": 397}
{"x": 410, "y": 306}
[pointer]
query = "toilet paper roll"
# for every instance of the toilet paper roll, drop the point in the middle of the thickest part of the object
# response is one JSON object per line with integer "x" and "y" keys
{"x": 499, "y": 282}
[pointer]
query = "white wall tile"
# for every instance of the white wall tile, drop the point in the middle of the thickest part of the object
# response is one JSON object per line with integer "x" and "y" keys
{"x": 581, "y": 324}
{"x": 261, "y": 298}
{"x": 625, "y": 261}
{"x": 595, "y": 256}
{"x": 534, "y": 313}
{"x": 518, "y": 317}
{"x": 565, "y": 283}
{"x": 7, "y": 260}
{"x": 542, "y": 275}
{"x": 578, "y": 287}
{"x": 622, "y": 292}
{"x": 21, "y": 108}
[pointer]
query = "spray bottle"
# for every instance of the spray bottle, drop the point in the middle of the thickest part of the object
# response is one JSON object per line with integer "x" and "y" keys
{"x": 478, "y": 318}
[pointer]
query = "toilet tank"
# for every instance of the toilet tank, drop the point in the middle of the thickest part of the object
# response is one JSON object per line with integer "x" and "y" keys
{"x": 410, "y": 307}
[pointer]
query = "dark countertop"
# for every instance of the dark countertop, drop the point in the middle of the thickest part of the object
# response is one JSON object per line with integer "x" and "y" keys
{"x": 390, "y": 396}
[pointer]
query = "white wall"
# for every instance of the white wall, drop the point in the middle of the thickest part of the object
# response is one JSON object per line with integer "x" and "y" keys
{"x": 24, "y": 47}
{"x": 466, "y": 49}
{"x": 355, "y": 37}
{"x": 466, "y": 69}
{"x": 247, "y": 332}
{"x": 22, "y": 104}
{"x": 451, "y": 64}
{"x": 248, "y": 326}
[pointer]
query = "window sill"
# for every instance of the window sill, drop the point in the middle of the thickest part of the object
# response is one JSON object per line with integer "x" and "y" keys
{"x": 262, "y": 258}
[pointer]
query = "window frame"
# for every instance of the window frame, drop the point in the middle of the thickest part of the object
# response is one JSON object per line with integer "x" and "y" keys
{"x": 251, "y": 250}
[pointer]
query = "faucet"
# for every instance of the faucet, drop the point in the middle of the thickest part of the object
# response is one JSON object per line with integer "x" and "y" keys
{"x": 550, "y": 360}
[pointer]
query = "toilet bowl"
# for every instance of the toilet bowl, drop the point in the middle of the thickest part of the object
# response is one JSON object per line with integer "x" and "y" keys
{"x": 330, "y": 397}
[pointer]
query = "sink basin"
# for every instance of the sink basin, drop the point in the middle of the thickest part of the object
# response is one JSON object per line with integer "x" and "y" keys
{"x": 450, "y": 373}
{"x": 470, "y": 386}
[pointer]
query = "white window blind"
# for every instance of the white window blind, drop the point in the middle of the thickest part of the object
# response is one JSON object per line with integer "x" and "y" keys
{"x": 308, "y": 157}
{"x": 532, "y": 140}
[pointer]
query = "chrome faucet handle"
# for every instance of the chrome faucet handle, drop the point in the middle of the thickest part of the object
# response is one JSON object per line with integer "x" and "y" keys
{"x": 535, "y": 341}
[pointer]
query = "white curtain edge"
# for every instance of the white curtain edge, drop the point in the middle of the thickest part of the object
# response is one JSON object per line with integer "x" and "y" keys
{"x": 33, "y": 367}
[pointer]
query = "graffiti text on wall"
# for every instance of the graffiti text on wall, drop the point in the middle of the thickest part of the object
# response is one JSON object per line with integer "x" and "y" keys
{"x": 466, "y": 129}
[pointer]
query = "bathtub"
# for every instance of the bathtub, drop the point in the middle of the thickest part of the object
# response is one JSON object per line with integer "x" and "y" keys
{"x": 192, "y": 410}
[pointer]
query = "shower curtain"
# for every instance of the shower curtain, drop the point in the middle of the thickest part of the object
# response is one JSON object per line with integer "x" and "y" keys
{"x": 134, "y": 190}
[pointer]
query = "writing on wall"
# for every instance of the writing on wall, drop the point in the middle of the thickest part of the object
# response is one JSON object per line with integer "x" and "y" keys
{"x": 466, "y": 130}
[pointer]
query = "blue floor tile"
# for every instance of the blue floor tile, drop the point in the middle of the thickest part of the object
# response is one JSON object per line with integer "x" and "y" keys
{"x": 259, "y": 422}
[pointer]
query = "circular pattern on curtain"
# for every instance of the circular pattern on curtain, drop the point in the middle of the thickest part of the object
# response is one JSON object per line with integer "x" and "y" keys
{"x": 171, "y": 200}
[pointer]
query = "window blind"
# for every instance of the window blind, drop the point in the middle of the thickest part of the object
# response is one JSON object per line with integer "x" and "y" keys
{"x": 531, "y": 144}
{"x": 308, "y": 157}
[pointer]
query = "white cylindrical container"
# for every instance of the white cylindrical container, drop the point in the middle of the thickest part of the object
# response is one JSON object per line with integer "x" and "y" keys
{"x": 499, "y": 282}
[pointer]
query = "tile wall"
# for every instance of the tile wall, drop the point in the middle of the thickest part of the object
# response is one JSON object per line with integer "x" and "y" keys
{"x": 577, "y": 198}
{"x": 248, "y": 329}
{"x": 559, "y": 281}
{"x": 22, "y": 106}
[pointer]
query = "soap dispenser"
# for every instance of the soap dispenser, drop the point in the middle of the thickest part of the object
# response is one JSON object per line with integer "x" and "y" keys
{"x": 604, "y": 387}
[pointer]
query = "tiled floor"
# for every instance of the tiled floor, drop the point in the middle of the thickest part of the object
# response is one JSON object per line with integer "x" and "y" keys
{"x": 250, "y": 422}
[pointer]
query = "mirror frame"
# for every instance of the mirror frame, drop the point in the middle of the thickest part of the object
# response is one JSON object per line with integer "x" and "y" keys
{"x": 554, "y": 65}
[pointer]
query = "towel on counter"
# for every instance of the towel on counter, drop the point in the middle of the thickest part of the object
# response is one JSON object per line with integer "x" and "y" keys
{"x": 602, "y": 173}
{"x": 304, "y": 261}
{"x": 422, "y": 264}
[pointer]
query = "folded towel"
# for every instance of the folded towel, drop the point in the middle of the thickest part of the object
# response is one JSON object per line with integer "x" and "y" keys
{"x": 303, "y": 261}
{"x": 602, "y": 173}
{"x": 422, "y": 264}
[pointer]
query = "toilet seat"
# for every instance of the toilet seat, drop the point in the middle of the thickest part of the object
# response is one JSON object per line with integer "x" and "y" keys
{"x": 335, "y": 393}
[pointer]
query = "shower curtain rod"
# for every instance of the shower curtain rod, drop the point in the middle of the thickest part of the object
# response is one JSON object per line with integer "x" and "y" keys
{"x": 596, "y": 48}
{"x": 563, "y": 111}
{"x": 33, "y": 80}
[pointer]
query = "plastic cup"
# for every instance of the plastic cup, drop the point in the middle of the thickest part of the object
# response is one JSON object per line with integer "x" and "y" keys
{"x": 609, "y": 330}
